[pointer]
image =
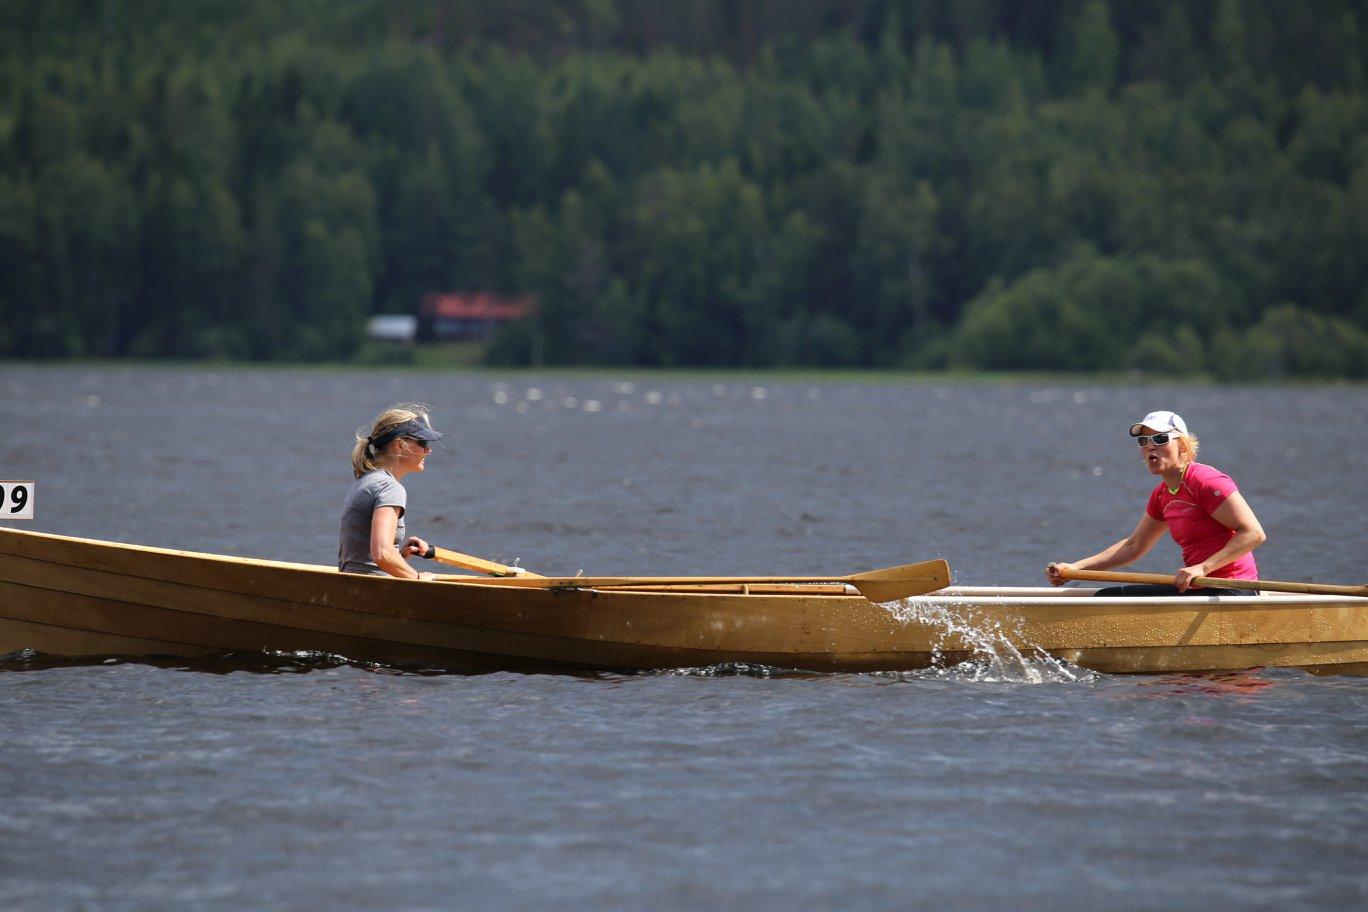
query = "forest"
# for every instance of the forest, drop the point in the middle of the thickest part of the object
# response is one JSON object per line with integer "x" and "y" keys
{"x": 1178, "y": 187}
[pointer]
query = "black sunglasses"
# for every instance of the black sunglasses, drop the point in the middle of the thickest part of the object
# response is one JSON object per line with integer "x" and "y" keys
{"x": 425, "y": 444}
{"x": 1159, "y": 439}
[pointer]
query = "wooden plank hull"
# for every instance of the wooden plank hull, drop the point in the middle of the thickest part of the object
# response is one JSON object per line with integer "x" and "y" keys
{"x": 68, "y": 596}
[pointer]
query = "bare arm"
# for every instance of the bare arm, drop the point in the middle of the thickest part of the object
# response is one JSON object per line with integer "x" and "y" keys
{"x": 1236, "y": 516}
{"x": 1126, "y": 551}
{"x": 383, "y": 523}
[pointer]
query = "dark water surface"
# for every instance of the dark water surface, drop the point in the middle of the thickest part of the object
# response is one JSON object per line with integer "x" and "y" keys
{"x": 306, "y": 782}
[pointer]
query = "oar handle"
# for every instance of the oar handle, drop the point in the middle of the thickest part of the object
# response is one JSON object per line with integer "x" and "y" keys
{"x": 1110, "y": 576}
{"x": 1214, "y": 582}
{"x": 469, "y": 562}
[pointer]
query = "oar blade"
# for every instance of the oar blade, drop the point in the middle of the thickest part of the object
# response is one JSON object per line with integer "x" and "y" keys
{"x": 887, "y": 585}
{"x": 894, "y": 583}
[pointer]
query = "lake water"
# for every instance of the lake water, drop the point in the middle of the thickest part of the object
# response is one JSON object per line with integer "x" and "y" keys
{"x": 279, "y": 782}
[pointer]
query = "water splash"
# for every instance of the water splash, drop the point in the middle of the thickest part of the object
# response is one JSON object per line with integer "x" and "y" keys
{"x": 994, "y": 653}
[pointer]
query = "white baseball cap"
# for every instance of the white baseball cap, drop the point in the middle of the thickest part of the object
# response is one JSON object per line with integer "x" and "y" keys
{"x": 1161, "y": 422}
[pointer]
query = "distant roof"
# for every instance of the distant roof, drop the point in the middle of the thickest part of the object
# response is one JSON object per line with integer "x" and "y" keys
{"x": 475, "y": 305}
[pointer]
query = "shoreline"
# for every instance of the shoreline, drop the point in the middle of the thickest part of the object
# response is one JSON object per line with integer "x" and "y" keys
{"x": 843, "y": 375}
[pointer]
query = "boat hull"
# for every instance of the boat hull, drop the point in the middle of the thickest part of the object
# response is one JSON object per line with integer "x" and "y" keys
{"x": 78, "y": 597}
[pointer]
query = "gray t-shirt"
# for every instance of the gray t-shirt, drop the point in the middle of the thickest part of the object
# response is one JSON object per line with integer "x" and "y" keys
{"x": 374, "y": 489}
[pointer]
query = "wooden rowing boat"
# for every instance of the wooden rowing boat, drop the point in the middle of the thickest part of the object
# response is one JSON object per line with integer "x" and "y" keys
{"x": 71, "y": 596}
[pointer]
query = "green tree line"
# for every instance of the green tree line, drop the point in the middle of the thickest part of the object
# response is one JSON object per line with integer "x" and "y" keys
{"x": 1177, "y": 187}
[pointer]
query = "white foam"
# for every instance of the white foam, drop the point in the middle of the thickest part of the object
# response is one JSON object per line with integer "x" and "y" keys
{"x": 995, "y": 653}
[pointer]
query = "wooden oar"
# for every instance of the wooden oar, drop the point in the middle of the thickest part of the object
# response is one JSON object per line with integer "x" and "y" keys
{"x": 478, "y": 564}
{"x": 1215, "y": 582}
{"x": 887, "y": 585}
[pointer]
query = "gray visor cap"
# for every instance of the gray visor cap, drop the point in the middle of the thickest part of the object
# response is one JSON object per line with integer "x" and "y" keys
{"x": 415, "y": 429}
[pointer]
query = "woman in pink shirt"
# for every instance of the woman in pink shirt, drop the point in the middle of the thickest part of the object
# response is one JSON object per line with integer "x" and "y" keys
{"x": 1199, "y": 505}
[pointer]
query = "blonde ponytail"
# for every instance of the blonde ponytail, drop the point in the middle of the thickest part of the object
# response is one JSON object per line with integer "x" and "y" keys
{"x": 364, "y": 457}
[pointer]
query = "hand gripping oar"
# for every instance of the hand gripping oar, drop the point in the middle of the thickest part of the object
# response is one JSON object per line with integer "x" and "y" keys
{"x": 478, "y": 564}
{"x": 1215, "y": 582}
{"x": 887, "y": 585}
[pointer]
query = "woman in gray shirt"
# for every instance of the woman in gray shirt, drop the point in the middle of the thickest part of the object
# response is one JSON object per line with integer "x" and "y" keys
{"x": 372, "y": 537}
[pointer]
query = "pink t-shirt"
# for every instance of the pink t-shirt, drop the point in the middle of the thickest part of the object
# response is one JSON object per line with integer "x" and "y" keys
{"x": 1188, "y": 514}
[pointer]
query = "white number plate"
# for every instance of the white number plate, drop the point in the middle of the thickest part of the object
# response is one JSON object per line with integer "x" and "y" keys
{"x": 16, "y": 499}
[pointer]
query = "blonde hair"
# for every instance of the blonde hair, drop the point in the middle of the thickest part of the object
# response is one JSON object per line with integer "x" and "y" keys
{"x": 1190, "y": 443}
{"x": 365, "y": 458}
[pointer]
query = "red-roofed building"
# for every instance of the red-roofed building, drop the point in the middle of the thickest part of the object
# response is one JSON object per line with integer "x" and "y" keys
{"x": 468, "y": 315}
